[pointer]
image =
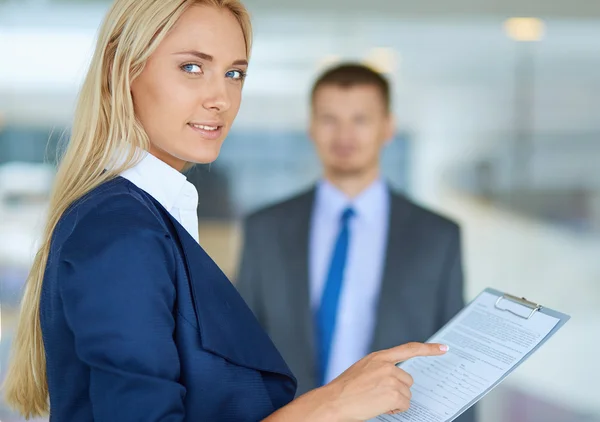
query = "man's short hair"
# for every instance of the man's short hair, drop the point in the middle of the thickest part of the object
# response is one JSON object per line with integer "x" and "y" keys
{"x": 347, "y": 75}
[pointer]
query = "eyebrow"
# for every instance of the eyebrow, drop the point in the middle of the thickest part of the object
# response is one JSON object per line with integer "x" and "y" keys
{"x": 208, "y": 57}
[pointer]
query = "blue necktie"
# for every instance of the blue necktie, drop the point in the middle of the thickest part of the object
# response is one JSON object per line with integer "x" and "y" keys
{"x": 327, "y": 312}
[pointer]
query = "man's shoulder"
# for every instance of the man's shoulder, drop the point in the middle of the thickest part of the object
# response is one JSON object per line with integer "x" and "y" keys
{"x": 423, "y": 216}
{"x": 282, "y": 210}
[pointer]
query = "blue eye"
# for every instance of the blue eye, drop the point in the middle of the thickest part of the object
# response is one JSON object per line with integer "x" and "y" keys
{"x": 236, "y": 74}
{"x": 191, "y": 68}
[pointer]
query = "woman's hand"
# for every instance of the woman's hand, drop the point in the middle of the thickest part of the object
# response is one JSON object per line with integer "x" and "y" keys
{"x": 375, "y": 385}
{"x": 372, "y": 386}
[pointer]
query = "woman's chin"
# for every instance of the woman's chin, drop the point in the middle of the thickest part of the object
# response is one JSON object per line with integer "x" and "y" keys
{"x": 204, "y": 157}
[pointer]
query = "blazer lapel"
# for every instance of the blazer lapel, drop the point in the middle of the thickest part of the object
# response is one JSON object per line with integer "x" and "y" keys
{"x": 396, "y": 274}
{"x": 294, "y": 242}
{"x": 227, "y": 326}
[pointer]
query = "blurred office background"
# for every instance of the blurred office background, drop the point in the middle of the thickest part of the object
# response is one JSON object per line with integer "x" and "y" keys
{"x": 499, "y": 128}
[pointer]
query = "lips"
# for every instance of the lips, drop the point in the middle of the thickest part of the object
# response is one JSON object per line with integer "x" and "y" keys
{"x": 204, "y": 127}
{"x": 343, "y": 150}
{"x": 209, "y": 131}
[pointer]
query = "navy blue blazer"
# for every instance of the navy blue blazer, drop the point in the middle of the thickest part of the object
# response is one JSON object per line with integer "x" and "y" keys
{"x": 139, "y": 324}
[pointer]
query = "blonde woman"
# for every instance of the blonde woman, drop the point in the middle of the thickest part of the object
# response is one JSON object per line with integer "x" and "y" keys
{"x": 125, "y": 317}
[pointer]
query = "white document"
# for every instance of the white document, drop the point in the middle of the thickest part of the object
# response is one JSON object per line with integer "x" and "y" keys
{"x": 486, "y": 343}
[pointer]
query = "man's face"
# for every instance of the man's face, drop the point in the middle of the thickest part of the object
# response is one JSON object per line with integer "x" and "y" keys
{"x": 349, "y": 126}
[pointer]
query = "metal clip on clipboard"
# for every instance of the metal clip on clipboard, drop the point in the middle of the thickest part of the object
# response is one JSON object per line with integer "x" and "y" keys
{"x": 521, "y": 301}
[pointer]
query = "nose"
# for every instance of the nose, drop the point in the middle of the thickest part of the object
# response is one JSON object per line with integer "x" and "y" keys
{"x": 217, "y": 98}
{"x": 345, "y": 131}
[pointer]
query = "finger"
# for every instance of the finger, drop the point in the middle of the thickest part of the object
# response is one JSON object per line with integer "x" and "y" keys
{"x": 397, "y": 380}
{"x": 397, "y": 375}
{"x": 411, "y": 350}
{"x": 403, "y": 376}
{"x": 398, "y": 401}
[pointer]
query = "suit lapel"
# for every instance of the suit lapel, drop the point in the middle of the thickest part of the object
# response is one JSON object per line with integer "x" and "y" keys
{"x": 396, "y": 274}
{"x": 294, "y": 241}
{"x": 226, "y": 325}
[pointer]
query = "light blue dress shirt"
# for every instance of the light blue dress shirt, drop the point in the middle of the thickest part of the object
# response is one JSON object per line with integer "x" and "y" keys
{"x": 364, "y": 267}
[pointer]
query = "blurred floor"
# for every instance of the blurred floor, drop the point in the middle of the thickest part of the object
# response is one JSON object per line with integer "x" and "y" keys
{"x": 552, "y": 266}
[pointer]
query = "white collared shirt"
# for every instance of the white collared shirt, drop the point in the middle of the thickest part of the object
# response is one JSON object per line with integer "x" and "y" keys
{"x": 169, "y": 187}
{"x": 356, "y": 317}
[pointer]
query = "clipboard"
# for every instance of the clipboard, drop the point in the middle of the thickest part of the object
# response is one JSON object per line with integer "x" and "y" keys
{"x": 507, "y": 303}
{"x": 519, "y": 307}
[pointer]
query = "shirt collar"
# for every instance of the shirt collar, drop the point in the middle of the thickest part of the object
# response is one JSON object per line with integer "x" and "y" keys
{"x": 369, "y": 205}
{"x": 162, "y": 181}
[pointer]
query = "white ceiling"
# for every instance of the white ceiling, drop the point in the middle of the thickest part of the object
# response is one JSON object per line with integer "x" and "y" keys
{"x": 436, "y": 8}
{"x": 397, "y": 8}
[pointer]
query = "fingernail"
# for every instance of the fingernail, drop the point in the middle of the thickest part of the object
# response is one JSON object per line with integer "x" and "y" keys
{"x": 444, "y": 347}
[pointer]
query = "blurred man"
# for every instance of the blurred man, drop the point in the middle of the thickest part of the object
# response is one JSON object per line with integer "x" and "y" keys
{"x": 350, "y": 266}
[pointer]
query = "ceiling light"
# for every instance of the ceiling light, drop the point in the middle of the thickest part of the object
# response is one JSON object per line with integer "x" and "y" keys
{"x": 328, "y": 61}
{"x": 524, "y": 29}
{"x": 382, "y": 59}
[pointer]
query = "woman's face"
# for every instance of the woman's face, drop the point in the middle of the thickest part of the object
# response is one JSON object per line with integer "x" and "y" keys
{"x": 189, "y": 92}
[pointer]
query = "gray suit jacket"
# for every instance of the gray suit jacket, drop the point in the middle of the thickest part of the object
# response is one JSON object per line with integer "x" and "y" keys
{"x": 422, "y": 286}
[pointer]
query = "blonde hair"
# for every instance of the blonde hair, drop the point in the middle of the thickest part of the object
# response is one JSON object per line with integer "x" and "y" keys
{"x": 104, "y": 125}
